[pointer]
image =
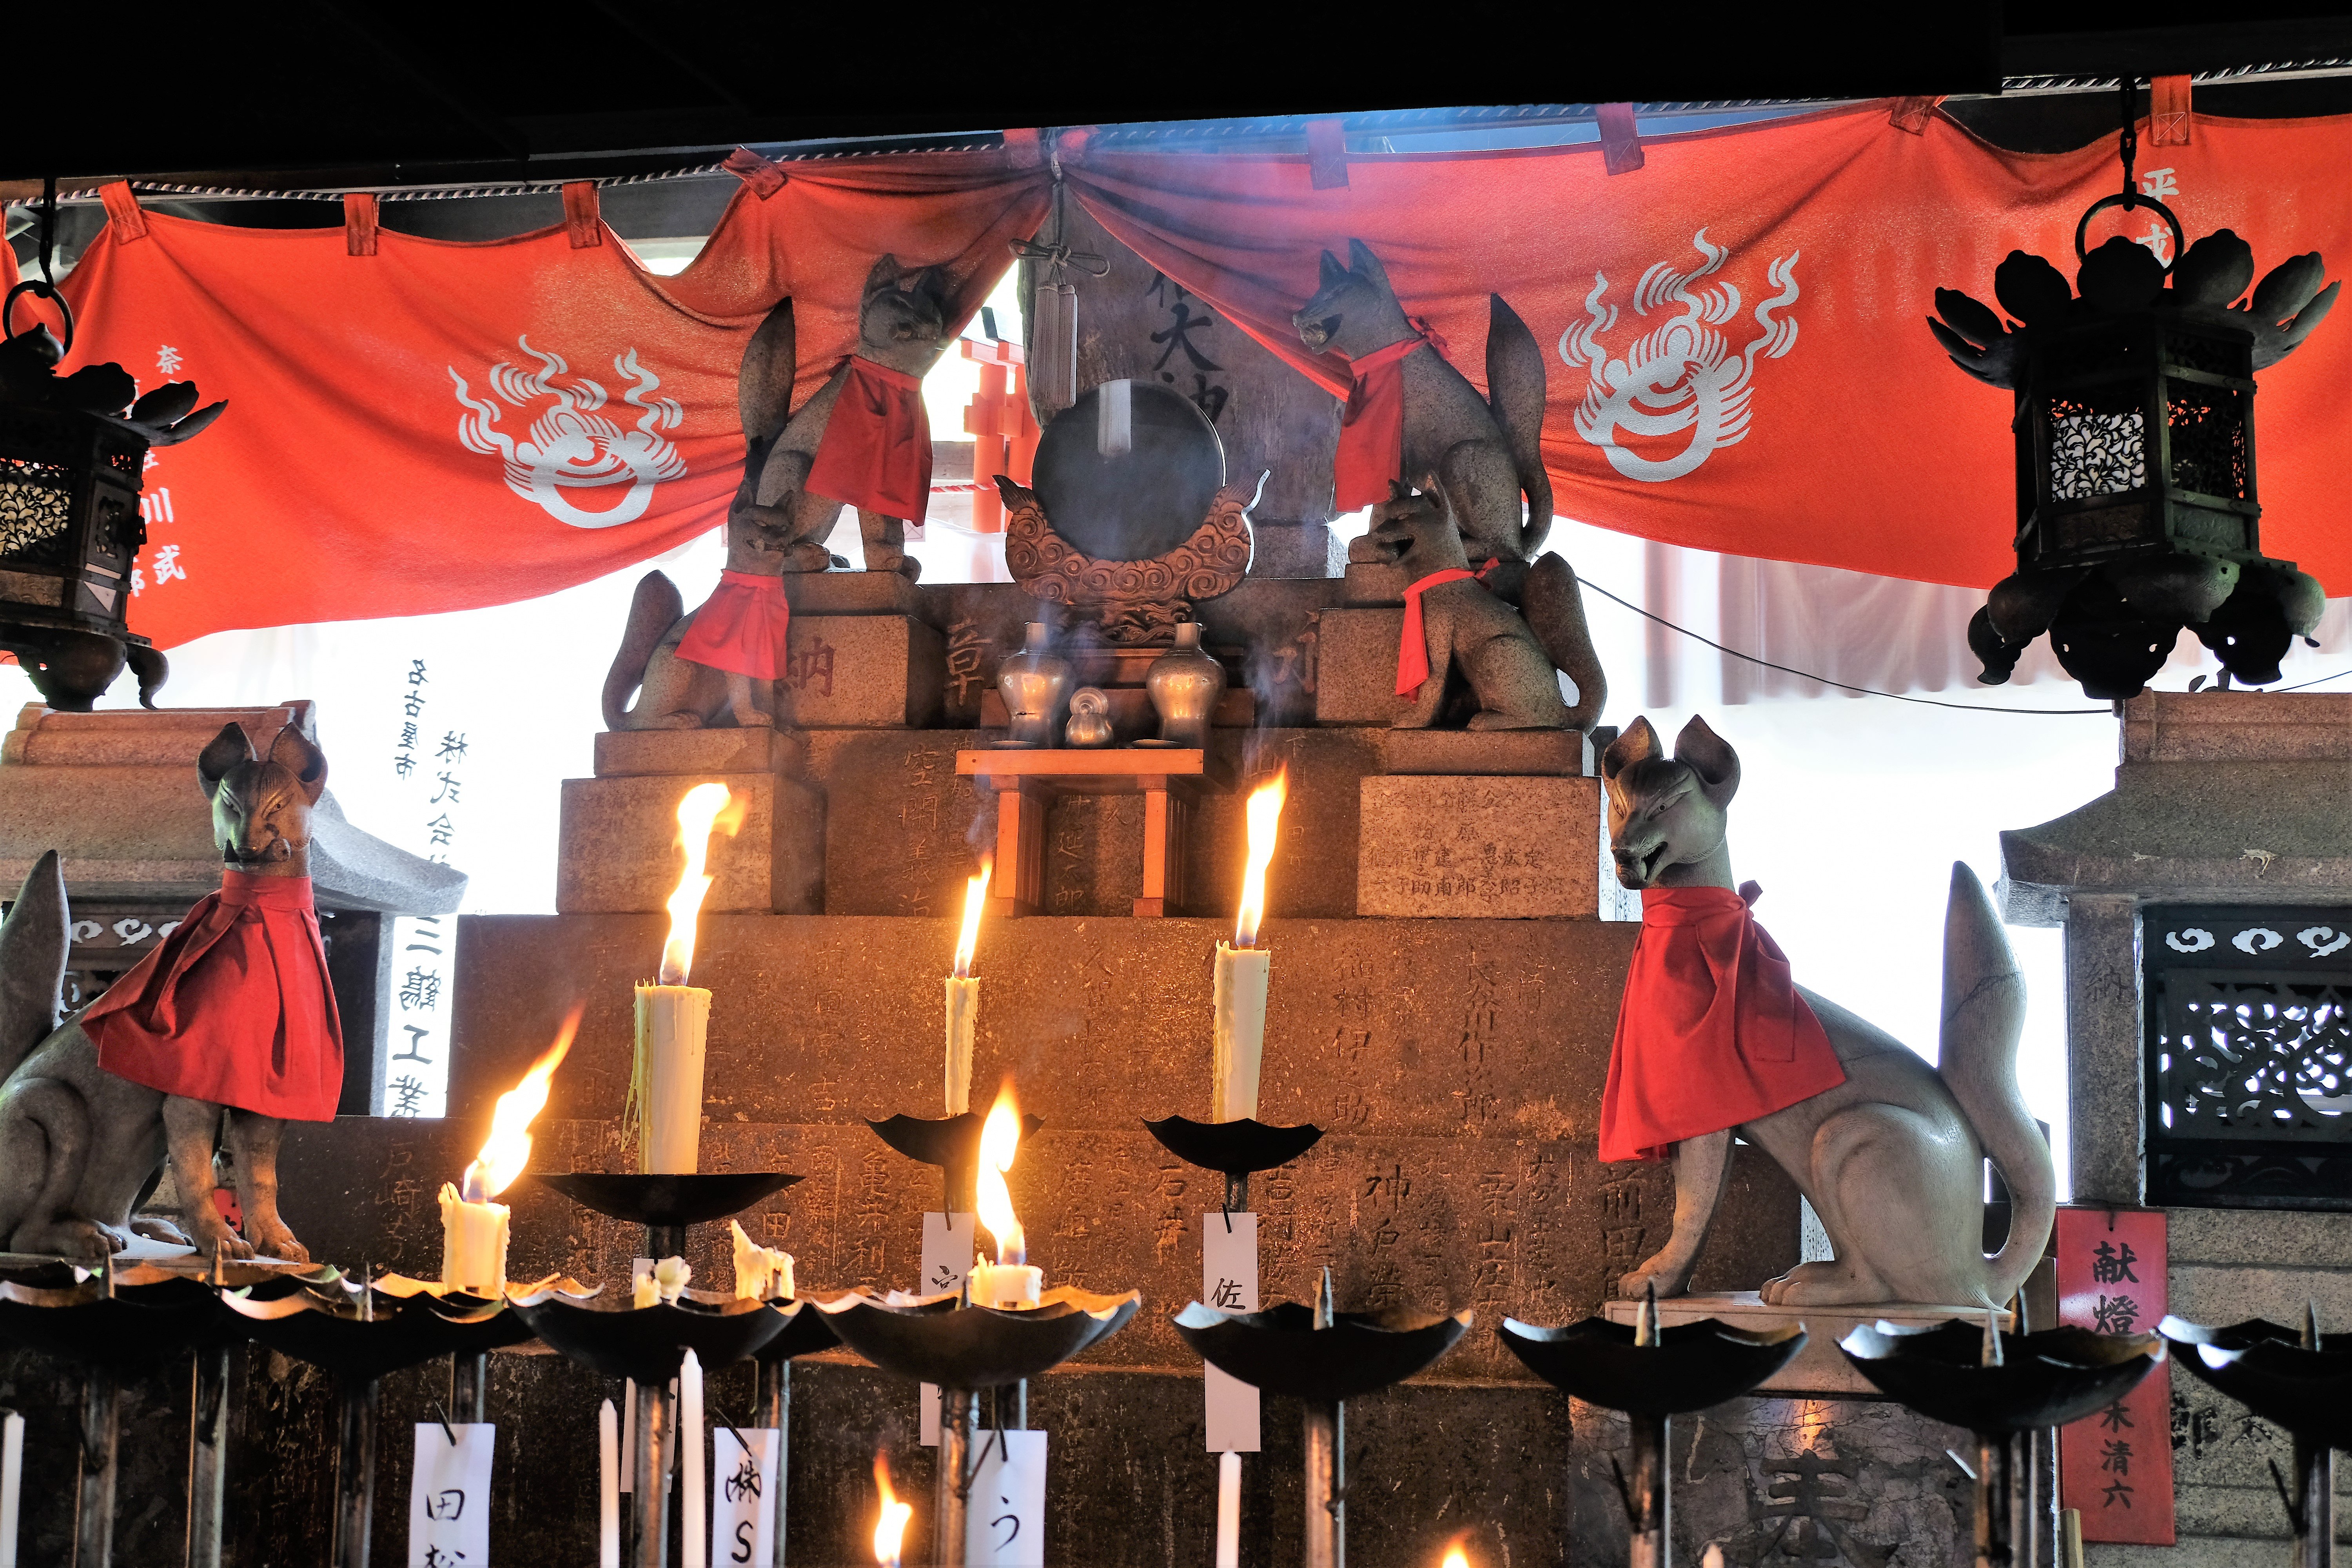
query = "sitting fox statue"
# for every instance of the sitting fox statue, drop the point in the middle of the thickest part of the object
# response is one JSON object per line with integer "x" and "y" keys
{"x": 1888, "y": 1149}
{"x": 861, "y": 440}
{"x": 229, "y": 1017}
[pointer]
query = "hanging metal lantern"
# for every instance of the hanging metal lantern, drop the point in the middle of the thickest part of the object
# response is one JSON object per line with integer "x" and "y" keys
{"x": 72, "y": 452}
{"x": 2137, "y": 510}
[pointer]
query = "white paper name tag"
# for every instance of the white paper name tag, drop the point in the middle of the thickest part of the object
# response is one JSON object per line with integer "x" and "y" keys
{"x": 1229, "y": 1283}
{"x": 450, "y": 1501}
{"x": 743, "y": 1495}
{"x": 1004, "y": 1526}
{"x": 947, "y": 1258}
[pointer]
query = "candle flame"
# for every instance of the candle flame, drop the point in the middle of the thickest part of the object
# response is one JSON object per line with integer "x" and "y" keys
{"x": 1000, "y": 1139}
{"x": 890, "y": 1530}
{"x": 1265, "y": 813}
{"x": 705, "y": 808}
{"x": 506, "y": 1152}
{"x": 1454, "y": 1556}
{"x": 975, "y": 898}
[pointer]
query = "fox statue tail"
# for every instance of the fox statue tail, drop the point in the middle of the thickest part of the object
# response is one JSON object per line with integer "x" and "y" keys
{"x": 1984, "y": 1012}
{"x": 33, "y": 944}
{"x": 653, "y": 610}
{"x": 1515, "y": 390}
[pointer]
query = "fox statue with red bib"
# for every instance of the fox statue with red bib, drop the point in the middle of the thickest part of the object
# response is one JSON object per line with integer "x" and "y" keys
{"x": 229, "y": 1020}
{"x": 1714, "y": 1038}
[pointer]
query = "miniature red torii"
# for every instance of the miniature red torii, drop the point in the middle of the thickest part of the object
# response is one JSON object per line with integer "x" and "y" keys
{"x": 1003, "y": 428}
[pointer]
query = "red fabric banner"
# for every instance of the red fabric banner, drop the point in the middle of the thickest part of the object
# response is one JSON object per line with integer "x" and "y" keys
{"x": 437, "y": 426}
{"x": 1734, "y": 341}
{"x": 2116, "y": 1466}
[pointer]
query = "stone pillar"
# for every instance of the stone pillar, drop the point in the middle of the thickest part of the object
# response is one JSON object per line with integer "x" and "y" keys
{"x": 2105, "y": 1100}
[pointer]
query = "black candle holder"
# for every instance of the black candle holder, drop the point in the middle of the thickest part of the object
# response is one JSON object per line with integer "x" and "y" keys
{"x": 358, "y": 1334}
{"x": 965, "y": 1348}
{"x": 807, "y": 1332}
{"x": 2297, "y": 1380}
{"x": 950, "y": 1143}
{"x": 1324, "y": 1358}
{"x": 665, "y": 1203}
{"x": 125, "y": 1322}
{"x": 1236, "y": 1150}
{"x": 2004, "y": 1387}
{"x": 1652, "y": 1375}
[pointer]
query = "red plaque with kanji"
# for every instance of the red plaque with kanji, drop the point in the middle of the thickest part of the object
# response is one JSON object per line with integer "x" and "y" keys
{"x": 2116, "y": 1466}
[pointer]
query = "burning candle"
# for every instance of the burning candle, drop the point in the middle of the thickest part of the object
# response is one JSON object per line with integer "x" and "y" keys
{"x": 1243, "y": 968}
{"x": 694, "y": 1538}
{"x": 963, "y": 996}
{"x": 760, "y": 1272}
{"x": 1229, "y": 1511}
{"x": 608, "y": 1488}
{"x": 673, "y": 1018}
{"x": 473, "y": 1229}
{"x": 1010, "y": 1281}
{"x": 1454, "y": 1556}
{"x": 12, "y": 1478}
{"x": 890, "y": 1529}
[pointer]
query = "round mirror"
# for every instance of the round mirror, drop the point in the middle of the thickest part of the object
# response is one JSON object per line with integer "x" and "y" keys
{"x": 1133, "y": 505}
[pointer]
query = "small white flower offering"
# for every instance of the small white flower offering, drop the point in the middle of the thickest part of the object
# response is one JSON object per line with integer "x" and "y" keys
{"x": 761, "y": 1273}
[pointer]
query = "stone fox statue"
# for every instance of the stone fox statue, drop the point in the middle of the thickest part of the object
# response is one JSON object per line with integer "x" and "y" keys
{"x": 684, "y": 670}
{"x": 81, "y": 1144}
{"x": 1413, "y": 413}
{"x": 1890, "y": 1158}
{"x": 1506, "y": 660}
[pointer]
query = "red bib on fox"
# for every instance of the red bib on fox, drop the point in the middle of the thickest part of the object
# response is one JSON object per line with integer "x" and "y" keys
{"x": 1412, "y": 646}
{"x": 743, "y": 626}
{"x": 1711, "y": 1033}
{"x": 1371, "y": 431}
{"x": 233, "y": 1007}
{"x": 876, "y": 450}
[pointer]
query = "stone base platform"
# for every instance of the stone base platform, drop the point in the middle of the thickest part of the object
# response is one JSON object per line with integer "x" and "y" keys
{"x": 867, "y": 671}
{"x": 1820, "y": 1370}
{"x": 1478, "y": 846}
{"x": 618, "y": 831}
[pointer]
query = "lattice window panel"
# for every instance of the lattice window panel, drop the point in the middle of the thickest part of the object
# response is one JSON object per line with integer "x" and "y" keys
{"x": 2094, "y": 453}
{"x": 2249, "y": 1069}
{"x": 36, "y": 508}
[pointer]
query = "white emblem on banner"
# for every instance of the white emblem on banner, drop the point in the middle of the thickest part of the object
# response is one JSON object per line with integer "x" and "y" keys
{"x": 571, "y": 445}
{"x": 1682, "y": 379}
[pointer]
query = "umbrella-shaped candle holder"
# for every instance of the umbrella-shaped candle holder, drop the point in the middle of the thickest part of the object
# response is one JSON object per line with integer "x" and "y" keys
{"x": 647, "y": 1345}
{"x": 1324, "y": 1358}
{"x": 358, "y": 1334}
{"x": 1652, "y": 1375}
{"x": 666, "y": 1205}
{"x": 2001, "y": 1386}
{"x": 950, "y": 1143}
{"x": 2300, "y": 1381}
{"x": 965, "y": 1348}
{"x": 1236, "y": 1150}
{"x": 123, "y": 1323}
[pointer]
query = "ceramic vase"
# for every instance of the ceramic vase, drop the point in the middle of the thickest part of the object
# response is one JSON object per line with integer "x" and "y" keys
{"x": 1036, "y": 686}
{"x": 1185, "y": 683}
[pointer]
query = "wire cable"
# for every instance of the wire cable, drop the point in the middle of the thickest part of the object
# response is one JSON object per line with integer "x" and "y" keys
{"x": 1872, "y": 691}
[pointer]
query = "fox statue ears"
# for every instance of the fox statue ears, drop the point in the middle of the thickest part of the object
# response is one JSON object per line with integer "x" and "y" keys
{"x": 1707, "y": 755}
{"x": 1365, "y": 265}
{"x": 291, "y": 751}
{"x": 1362, "y": 263}
{"x": 887, "y": 273}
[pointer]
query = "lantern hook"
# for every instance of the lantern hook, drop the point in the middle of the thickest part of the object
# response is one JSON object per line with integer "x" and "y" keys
{"x": 41, "y": 288}
{"x": 2131, "y": 197}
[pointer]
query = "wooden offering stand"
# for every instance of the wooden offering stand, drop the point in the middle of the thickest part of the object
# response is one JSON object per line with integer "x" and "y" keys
{"x": 1026, "y": 782}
